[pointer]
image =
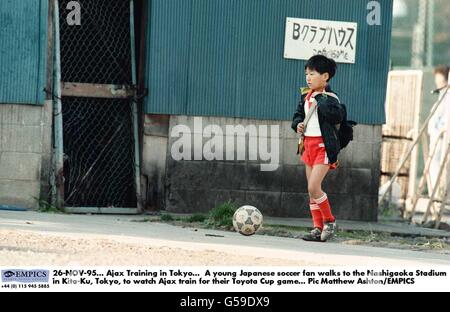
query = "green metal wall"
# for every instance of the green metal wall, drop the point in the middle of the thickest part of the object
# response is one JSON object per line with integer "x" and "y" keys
{"x": 225, "y": 58}
{"x": 23, "y": 51}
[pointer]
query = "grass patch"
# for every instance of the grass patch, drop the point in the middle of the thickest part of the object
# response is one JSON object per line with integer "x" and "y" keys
{"x": 167, "y": 218}
{"x": 222, "y": 216}
{"x": 197, "y": 218}
{"x": 389, "y": 210}
{"x": 45, "y": 206}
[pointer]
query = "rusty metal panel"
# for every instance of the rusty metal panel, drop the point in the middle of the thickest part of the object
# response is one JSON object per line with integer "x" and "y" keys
{"x": 23, "y": 51}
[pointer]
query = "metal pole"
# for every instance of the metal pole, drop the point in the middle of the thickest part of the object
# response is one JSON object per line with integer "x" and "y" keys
{"x": 419, "y": 36}
{"x": 430, "y": 34}
{"x": 137, "y": 158}
{"x": 411, "y": 149}
{"x": 58, "y": 118}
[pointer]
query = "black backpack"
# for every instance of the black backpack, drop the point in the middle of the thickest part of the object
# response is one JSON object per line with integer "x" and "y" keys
{"x": 345, "y": 130}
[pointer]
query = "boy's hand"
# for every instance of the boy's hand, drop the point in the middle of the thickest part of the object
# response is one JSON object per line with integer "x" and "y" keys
{"x": 301, "y": 128}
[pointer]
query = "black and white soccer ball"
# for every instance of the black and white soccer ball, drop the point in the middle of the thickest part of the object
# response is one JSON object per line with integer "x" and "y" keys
{"x": 247, "y": 220}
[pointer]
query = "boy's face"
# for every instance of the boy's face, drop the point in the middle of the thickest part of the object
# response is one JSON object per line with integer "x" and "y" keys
{"x": 315, "y": 80}
{"x": 440, "y": 80}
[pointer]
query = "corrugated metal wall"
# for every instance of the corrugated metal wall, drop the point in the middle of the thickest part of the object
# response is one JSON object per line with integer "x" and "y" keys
{"x": 225, "y": 58}
{"x": 23, "y": 51}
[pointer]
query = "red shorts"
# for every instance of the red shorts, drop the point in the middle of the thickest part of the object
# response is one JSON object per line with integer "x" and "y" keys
{"x": 315, "y": 153}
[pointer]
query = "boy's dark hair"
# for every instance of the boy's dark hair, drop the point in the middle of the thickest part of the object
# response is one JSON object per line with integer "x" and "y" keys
{"x": 322, "y": 65}
{"x": 442, "y": 69}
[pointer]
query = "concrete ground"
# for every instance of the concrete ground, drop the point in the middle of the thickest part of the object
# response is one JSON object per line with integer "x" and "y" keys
{"x": 31, "y": 238}
{"x": 391, "y": 227}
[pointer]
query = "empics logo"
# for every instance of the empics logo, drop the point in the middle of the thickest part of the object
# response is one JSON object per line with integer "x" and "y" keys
{"x": 8, "y": 274}
{"x": 25, "y": 276}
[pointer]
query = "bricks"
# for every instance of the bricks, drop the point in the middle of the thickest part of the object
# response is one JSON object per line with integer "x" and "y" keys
{"x": 294, "y": 179}
{"x": 364, "y": 207}
{"x": 194, "y": 186}
{"x": 363, "y": 133}
{"x": 19, "y": 166}
{"x": 342, "y": 206}
{"x": 19, "y": 193}
{"x": 267, "y": 202}
{"x": 338, "y": 182}
{"x": 362, "y": 155}
{"x": 156, "y": 125}
{"x": 25, "y": 148}
{"x": 264, "y": 181}
{"x": 201, "y": 201}
{"x": 19, "y": 138}
{"x": 295, "y": 205}
{"x": 362, "y": 182}
{"x": 21, "y": 115}
{"x": 290, "y": 156}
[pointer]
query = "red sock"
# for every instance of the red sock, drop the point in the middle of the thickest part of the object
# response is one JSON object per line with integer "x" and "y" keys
{"x": 316, "y": 214}
{"x": 325, "y": 208}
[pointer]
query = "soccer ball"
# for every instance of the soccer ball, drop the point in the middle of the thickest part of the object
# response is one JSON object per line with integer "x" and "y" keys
{"x": 247, "y": 220}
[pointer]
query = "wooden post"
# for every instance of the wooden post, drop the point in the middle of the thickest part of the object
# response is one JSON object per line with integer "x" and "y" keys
{"x": 446, "y": 193}
{"x": 403, "y": 105}
{"x": 444, "y": 163}
{"x": 416, "y": 134}
{"x": 426, "y": 153}
{"x": 425, "y": 179}
{"x": 410, "y": 150}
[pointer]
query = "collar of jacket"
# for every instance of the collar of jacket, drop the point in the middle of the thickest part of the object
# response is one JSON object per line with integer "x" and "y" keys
{"x": 305, "y": 91}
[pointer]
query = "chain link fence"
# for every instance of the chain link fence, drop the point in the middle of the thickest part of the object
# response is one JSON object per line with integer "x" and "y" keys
{"x": 99, "y": 167}
{"x": 99, "y": 50}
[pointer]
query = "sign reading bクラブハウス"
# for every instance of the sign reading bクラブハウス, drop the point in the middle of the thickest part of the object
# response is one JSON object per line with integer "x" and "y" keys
{"x": 306, "y": 38}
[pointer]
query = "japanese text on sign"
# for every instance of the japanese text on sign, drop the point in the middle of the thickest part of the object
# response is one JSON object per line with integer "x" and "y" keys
{"x": 306, "y": 38}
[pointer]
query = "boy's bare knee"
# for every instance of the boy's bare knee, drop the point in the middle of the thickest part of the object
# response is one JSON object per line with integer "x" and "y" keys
{"x": 314, "y": 192}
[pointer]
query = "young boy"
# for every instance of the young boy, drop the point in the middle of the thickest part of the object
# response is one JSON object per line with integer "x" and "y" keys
{"x": 321, "y": 144}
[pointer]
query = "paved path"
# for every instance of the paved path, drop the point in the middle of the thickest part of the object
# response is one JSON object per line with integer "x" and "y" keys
{"x": 195, "y": 247}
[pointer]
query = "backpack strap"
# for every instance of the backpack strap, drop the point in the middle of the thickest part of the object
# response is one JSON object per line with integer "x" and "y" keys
{"x": 327, "y": 93}
{"x": 311, "y": 111}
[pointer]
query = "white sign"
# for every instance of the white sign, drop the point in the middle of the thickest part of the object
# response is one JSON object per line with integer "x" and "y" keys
{"x": 306, "y": 38}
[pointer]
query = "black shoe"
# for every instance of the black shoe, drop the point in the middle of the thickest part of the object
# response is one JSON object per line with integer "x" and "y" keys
{"x": 313, "y": 236}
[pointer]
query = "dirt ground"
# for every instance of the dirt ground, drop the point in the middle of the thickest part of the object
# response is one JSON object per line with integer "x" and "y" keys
{"x": 22, "y": 248}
